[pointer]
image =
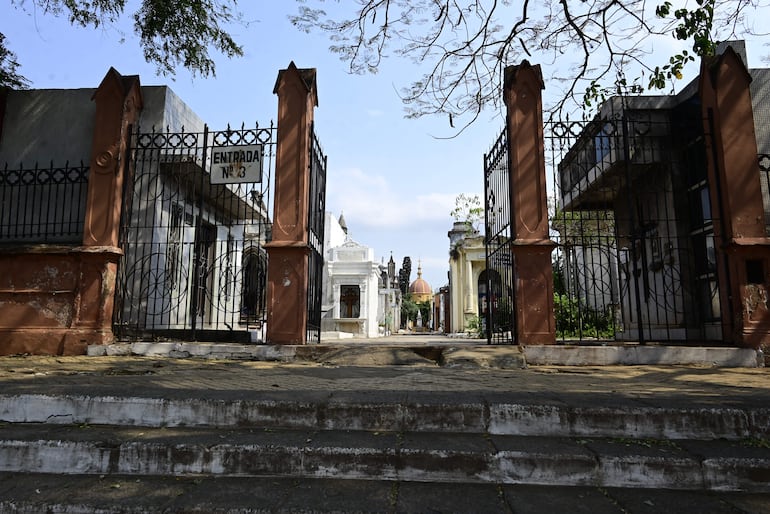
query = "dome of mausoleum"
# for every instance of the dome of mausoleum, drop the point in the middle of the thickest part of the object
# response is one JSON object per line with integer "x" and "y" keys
{"x": 420, "y": 289}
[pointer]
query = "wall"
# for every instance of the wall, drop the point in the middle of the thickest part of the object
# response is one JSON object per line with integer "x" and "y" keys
{"x": 44, "y": 125}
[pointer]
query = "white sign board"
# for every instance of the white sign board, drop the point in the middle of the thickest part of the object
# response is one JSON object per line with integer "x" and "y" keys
{"x": 236, "y": 164}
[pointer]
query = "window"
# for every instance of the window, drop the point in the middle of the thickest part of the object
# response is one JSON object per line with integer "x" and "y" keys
{"x": 174, "y": 248}
{"x": 350, "y": 301}
{"x": 602, "y": 142}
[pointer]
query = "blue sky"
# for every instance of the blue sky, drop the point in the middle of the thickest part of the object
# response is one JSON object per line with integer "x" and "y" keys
{"x": 393, "y": 179}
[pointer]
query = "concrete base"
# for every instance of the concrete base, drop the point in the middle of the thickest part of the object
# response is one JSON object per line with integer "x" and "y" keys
{"x": 335, "y": 335}
{"x": 642, "y": 356}
{"x": 455, "y": 354}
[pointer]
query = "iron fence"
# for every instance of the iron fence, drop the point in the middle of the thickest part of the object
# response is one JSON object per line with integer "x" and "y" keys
{"x": 497, "y": 301}
{"x": 316, "y": 219}
{"x": 43, "y": 204}
{"x": 635, "y": 256}
{"x": 193, "y": 234}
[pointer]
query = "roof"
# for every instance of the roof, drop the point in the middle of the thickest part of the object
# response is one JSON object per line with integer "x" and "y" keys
{"x": 420, "y": 286}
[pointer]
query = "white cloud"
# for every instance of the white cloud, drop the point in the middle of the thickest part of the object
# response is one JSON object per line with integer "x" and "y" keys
{"x": 373, "y": 202}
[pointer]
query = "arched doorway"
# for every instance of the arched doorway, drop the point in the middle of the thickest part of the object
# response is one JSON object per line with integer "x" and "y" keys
{"x": 253, "y": 287}
{"x": 495, "y": 302}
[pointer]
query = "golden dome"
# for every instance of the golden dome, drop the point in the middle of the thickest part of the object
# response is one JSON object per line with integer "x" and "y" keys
{"x": 420, "y": 287}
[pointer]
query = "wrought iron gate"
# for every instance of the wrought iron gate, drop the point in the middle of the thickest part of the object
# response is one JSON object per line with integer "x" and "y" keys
{"x": 316, "y": 218}
{"x": 194, "y": 266}
{"x": 496, "y": 284}
{"x": 635, "y": 259}
{"x": 636, "y": 254}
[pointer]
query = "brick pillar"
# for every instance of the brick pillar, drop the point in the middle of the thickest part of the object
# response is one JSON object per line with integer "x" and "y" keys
{"x": 534, "y": 316}
{"x": 288, "y": 252}
{"x": 743, "y": 256}
{"x": 118, "y": 104}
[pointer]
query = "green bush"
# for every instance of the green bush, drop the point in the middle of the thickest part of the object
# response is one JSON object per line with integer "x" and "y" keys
{"x": 475, "y": 327}
{"x": 576, "y": 321}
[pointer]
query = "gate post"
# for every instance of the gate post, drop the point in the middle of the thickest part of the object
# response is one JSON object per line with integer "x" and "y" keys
{"x": 533, "y": 291}
{"x": 118, "y": 104}
{"x": 289, "y": 251}
{"x": 743, "y": 256}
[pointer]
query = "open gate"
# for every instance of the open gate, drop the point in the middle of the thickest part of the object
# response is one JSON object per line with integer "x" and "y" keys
{"x": 632, "y": 219}
{"x": 193, "y": 229}
{"x": 496, "y": 284}
{"x": 316, "y": 222}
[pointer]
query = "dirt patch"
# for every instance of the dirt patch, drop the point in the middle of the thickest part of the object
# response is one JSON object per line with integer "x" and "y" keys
{"x": 375, "y": 357}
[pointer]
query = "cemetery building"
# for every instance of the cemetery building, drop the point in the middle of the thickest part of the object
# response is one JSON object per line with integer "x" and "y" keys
{"x": 467, "y": 277}
{"x": 359, "y": 298}
{"x": 643, "y": 221}
{"x": 163, "y": 249}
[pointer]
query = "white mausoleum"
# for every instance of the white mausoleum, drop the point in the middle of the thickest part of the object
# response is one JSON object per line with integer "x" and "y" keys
{"x": 351, "y": 284}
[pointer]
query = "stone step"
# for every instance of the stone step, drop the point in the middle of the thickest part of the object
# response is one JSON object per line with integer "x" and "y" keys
{"x": 556, "y": 420}
{"x": 120, "y": 494}
{"x": 445, "y": 352}
{"x": 716, "y": 465}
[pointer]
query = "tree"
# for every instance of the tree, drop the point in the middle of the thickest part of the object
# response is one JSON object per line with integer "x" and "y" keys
{"x": 409, "y": 310}
{"x": 468, "y": 209}
{"x": 9, "y": 75}
{"x": 585, "y": 46}
{"x": 404, "y": 275}
{"x": 171, "y": 34}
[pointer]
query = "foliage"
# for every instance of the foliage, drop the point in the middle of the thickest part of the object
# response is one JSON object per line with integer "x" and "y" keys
{"x": 180, "y": 32}
{"x": 468, "y": 209}
{"x": 9, "y": 76}
{"x": 172, "y": 34}
{"x": 410, "y": 308}
{"x": 574, "y": 320}
{"x": 425, "y": 310}
{"x": 475, "y": 326}
{"x": 463, "y": 47}
{"x": 404, "y": 275}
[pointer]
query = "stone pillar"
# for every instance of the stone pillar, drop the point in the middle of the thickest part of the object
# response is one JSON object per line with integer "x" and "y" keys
{"x": 118, "y": 104}
{"x": 288, "y": 252}
{"x": 531, "y": 249}
{"x": 743, "y": 255}
{"x": 469, "y": 286}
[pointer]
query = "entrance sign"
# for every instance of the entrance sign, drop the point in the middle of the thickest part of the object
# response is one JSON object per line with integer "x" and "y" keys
{"x": 236, "y": 164}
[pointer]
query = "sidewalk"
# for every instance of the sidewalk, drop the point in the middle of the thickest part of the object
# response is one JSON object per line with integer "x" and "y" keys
{"x": 330, "y": 392}
{"x": 420, "y": 379}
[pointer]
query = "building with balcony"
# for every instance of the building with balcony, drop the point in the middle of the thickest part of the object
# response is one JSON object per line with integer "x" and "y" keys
{"x": 637, "y": 222}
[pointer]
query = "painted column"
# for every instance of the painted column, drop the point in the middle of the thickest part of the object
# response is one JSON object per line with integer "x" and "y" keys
{"x": 363, "y": 308}
{"x": 118, "y": 104}
{"x": 743, "y": 256}
{"x": 336, "y": 300}
{"x": 288, "y": 252}
{"x": 468, "y": 285}
{"x": 534, "y": 317}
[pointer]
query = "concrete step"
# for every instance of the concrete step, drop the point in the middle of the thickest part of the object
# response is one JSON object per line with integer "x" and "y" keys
{"x": 715, "y": 465}
{"x": 81, "y": 494}
{"x": 443, "y": 351}
{"x": 389, "y": 414}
